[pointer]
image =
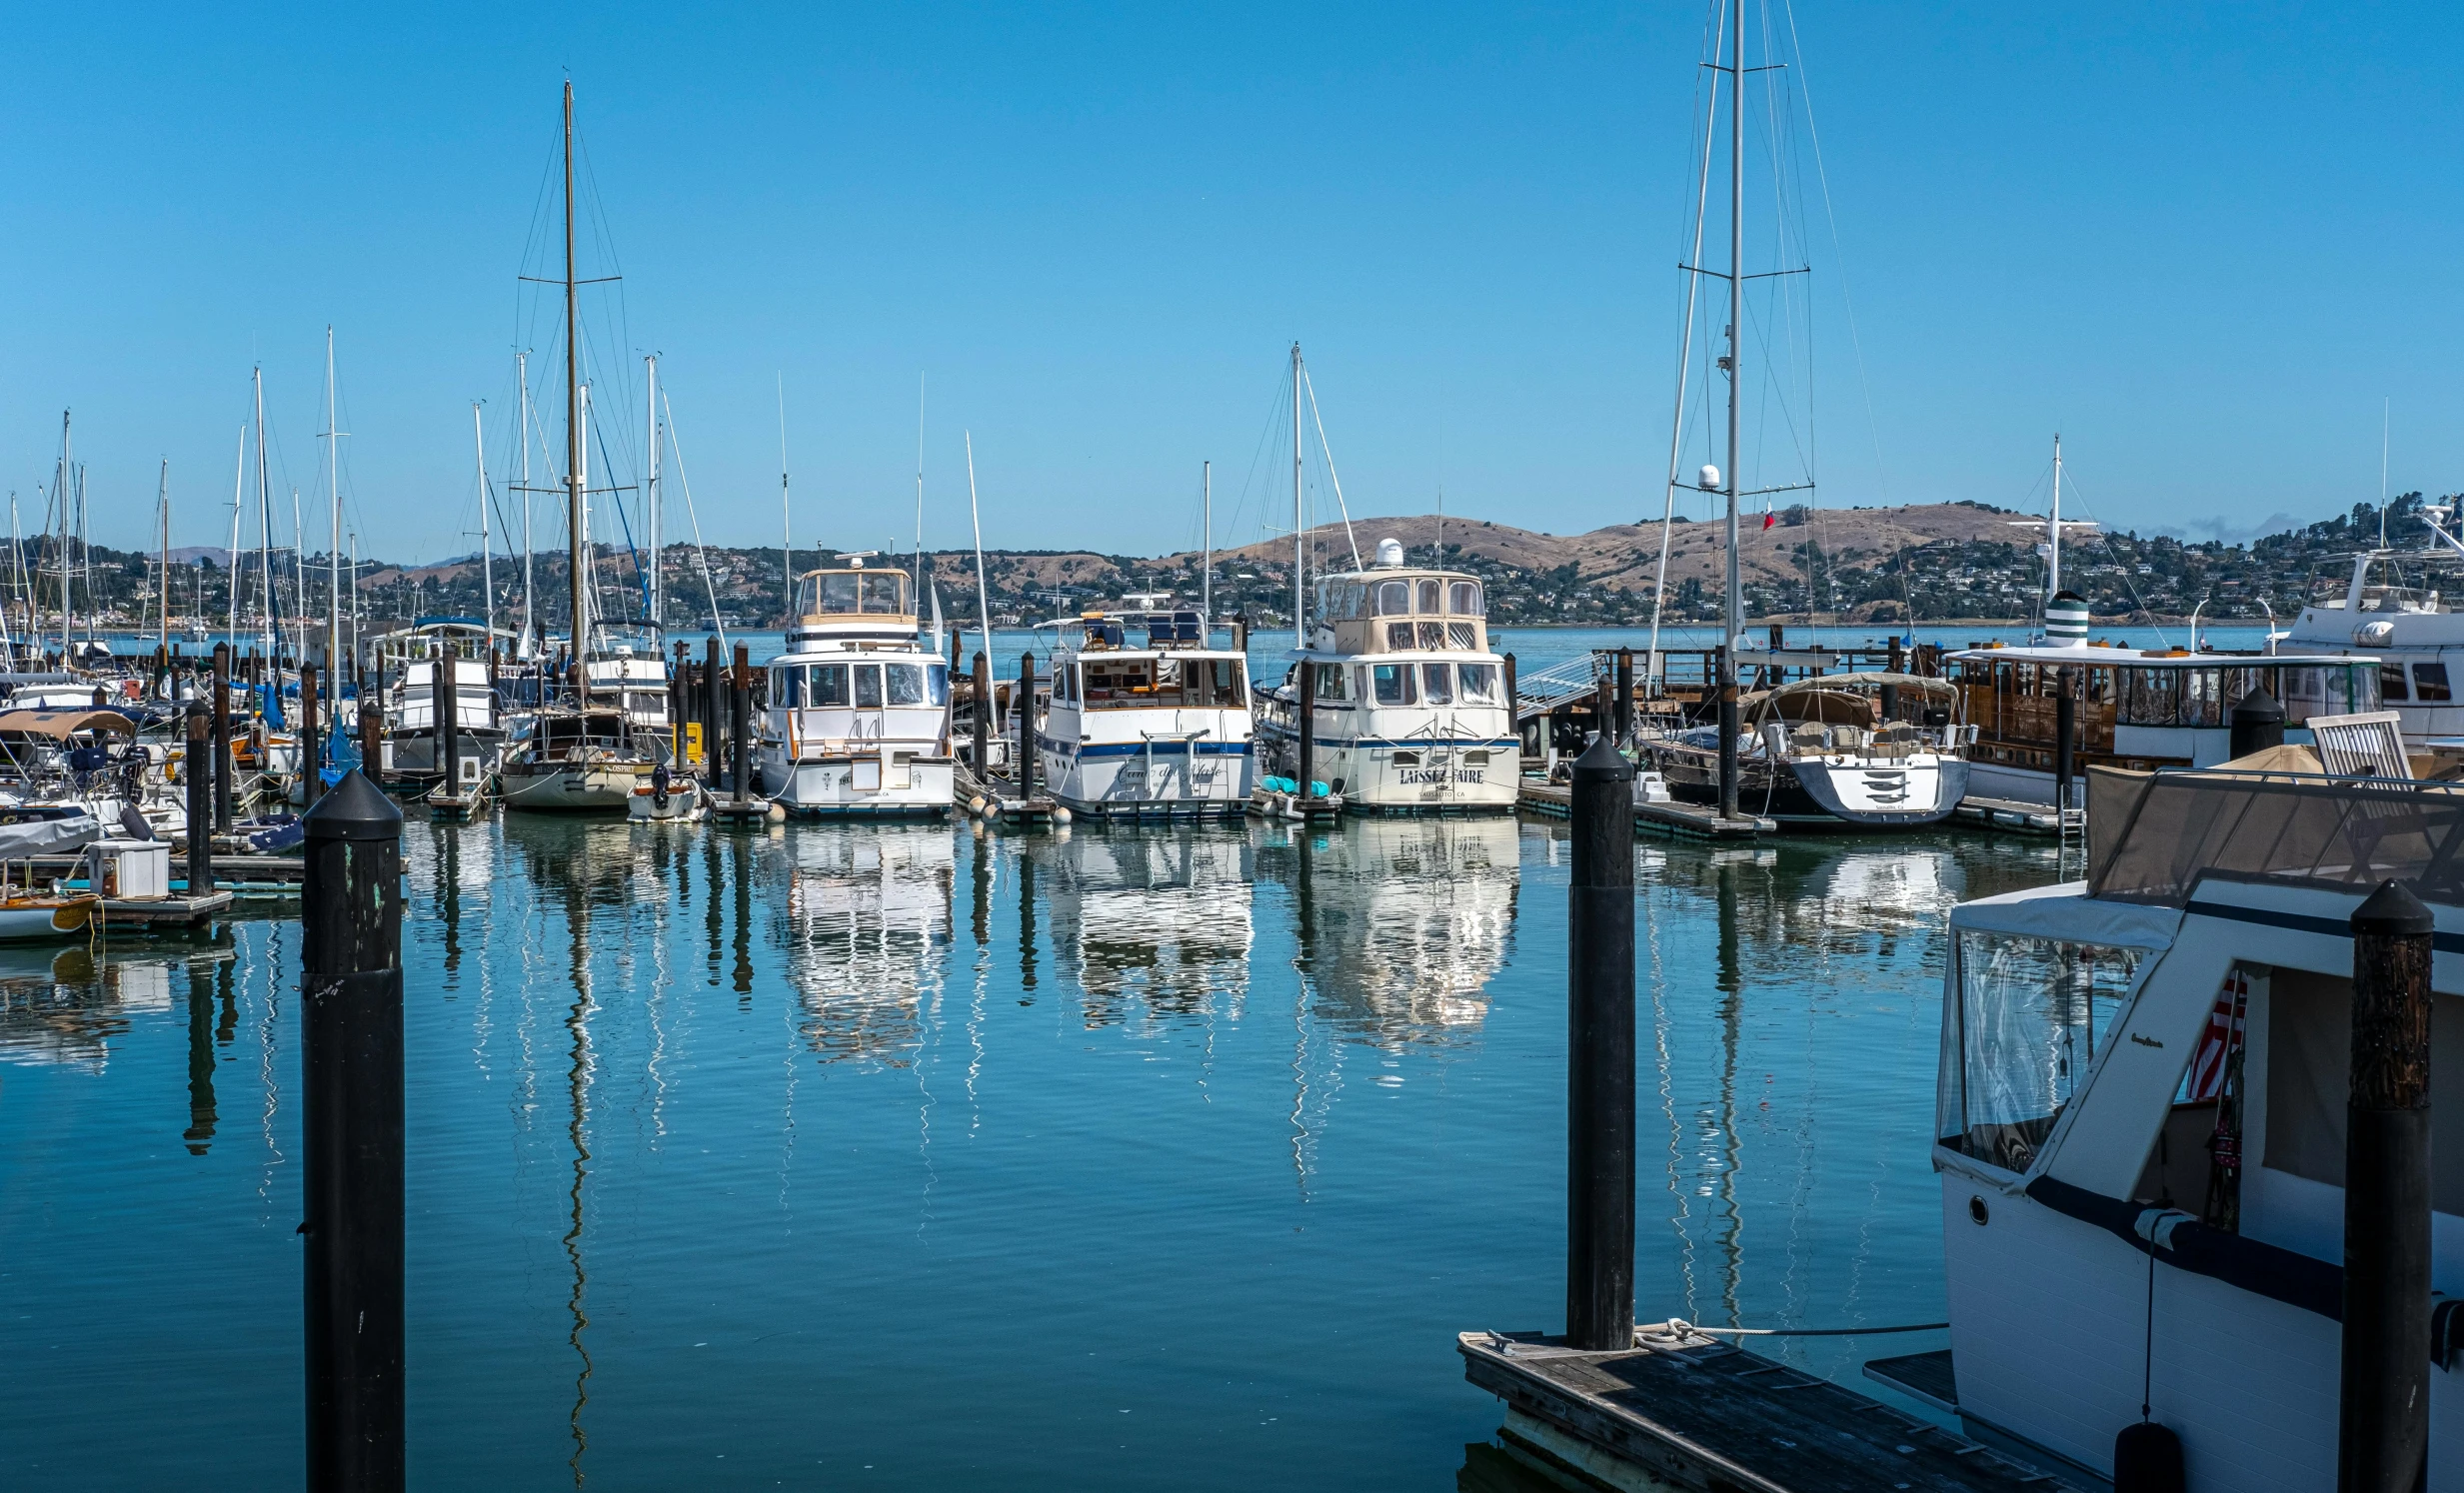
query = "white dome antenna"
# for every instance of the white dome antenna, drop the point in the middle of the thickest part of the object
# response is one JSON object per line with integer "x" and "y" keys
{"x": 1708, "y": 478}
{"x": 1389, "y": 552}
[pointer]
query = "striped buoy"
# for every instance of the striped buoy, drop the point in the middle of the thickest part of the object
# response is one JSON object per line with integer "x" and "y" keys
{"x": 2066, "y": 617}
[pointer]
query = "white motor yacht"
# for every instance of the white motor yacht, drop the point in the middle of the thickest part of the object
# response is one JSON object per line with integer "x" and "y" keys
{"x": 411, "y": 664}
{"x": 857, "y": 718}
{"x": 1410, "y": 704}
{"x": 1147, "y": 715}
{"x": 2142, "y": 1128}
{"x": 2406, "y": 626}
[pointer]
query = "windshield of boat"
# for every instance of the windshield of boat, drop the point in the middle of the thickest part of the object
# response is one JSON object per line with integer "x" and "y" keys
{"x": 2031, "y": 1014}
{"x": 869, "y": 593}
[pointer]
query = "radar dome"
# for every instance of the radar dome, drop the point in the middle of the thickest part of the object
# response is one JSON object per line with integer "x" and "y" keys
{"x": 1389, "y": 552}
{"x": 1708, "y": 478}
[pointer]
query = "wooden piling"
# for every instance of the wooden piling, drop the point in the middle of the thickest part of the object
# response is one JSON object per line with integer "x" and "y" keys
{"x": 2383, "y": 1424}
{"x": 197, "y": 764}
{"x": 222, "y": 738}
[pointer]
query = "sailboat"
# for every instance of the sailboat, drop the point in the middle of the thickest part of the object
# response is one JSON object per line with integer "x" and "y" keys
{"x": 580, "y": 754}
{"x": 1861, "y": 751}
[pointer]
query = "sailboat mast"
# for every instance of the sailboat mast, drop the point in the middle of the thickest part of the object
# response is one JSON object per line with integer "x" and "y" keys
{"x": 1205, "y": 577}
{"x": 162, "y": 508}
{"x": 1299, "y": 531}
{"x": 578, "y": 537}
{"x": 522, "y": 378}
{"x": 650, "y": 423}
{"x": 486, "y": 576}
{"x": 919, "y": 498}
{"x": 333, "y": 552}
{"x": 1734, "y": 608}
{"x": 60, "y": 484}
{"x": 787, "y": 527}
{"x": 231, "y": 577}
{"x": 265, "y": 516}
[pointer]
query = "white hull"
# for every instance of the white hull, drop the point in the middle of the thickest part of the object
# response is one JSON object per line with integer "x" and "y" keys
{"x": 1453, "y": 775}
{"x": 1909, "y": 791}
{"x": 598, "y": 787}
{"x": 1164, "y": 779}
{"x": 858, "y": 784}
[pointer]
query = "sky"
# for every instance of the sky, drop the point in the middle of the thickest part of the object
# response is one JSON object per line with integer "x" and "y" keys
{"x": 2207, "y": 244}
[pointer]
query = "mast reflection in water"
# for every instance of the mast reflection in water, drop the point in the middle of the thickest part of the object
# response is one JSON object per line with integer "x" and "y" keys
{"x": 739, "y": 1157}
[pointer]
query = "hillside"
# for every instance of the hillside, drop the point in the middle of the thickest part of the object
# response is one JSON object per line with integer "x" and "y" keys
{"x": 1939, "y": 561}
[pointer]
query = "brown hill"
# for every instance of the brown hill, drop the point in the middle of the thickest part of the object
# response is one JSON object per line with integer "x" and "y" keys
{"x": 1625, "y": 556}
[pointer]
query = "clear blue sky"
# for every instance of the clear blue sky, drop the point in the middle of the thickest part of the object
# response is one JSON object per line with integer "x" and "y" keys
{"x": 2200, "y": 240}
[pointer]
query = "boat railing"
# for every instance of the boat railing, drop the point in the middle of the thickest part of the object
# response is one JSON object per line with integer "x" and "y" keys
{"x": 1545, "y": 689}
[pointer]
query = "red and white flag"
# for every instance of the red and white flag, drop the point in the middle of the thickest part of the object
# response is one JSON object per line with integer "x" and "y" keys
{"x": 2227, "y": 1023}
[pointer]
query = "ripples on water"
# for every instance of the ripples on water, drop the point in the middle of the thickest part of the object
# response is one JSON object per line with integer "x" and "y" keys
{"x": 1126, "y": 1158}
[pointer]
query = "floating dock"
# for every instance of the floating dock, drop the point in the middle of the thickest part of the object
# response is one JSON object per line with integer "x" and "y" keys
{"x": 1686, "y": 820}
{"x": 183, "y": 911}
{"x": 2010, "y": 813}
{"x": 1699, "y": 1413}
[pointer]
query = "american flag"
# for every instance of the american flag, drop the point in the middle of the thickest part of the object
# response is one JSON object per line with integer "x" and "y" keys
{"x": 2226, "y": 1025}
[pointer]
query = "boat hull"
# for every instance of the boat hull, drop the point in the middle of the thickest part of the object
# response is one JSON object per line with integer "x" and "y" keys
{"x": 1160, "y": 779}
{"x": 858, "y": 785}
{"x": 1828, "y": 795}
{"x": 571, "y": 788}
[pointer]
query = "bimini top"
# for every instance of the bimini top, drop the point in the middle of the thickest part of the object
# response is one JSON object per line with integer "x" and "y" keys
{"x": 2151, "y": 837}
{"x": 1156, "y": 625}
{"x": 61, "y": 725}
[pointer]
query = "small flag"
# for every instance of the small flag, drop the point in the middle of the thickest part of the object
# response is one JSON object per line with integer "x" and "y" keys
{"x": 2225, "y": 1030}
{"x": 1769, "y": 519}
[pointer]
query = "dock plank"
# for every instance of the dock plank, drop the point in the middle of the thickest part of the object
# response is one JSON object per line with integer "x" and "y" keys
{"x": 1710, "y": 1415}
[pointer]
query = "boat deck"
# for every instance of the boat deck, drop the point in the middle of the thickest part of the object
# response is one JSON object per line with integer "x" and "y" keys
{"x": 1709, "y": 1415}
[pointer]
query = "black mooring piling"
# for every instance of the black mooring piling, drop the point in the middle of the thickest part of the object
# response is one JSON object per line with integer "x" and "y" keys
{"x": 714, "y": 714}
{"x": 2383, "y": 1424}
{"x": 1599, "y": 1075}
{"x": 1304, "y": 711}
{"x": 1727, "y": 731}
{"x": 312, "y": 742}
{"x": 1625, "y": 695}
{"x": 2065, "y": 733}
{"x": 445, "y": 713}
{"x": 2258, "y": 724}
{"x": 1026, "y": 727}
{"x": 222, "y": 738}
{"x": 984, "y": 720}
{"x": 371, "y": 732}
{"x": 352, "y": 1124}
{"x": 740, "y": 723}
{"x": 197, "y": 768}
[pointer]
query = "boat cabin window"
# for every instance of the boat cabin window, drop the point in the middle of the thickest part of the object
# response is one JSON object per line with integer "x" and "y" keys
{"x": 2032, "y": 1014}
{"x": 1393, "y": 597}
{"x": 867, "y": 681}
{"x": 1145, "y": 683}
{"x": 1329, "y": 682}
{"x": 2430, "y": 684}
{"x": 875, "y": 593}
{"x": 787, "y": 687}
{"x": 1437, "y": 684}
{"x": 1390, "y": 684}
{"x": 1479, "y": 684}
{"x": 2391, "y": 681}
{"x": 1430, "y": 593}
{"x": 1462, "y": 597}
{"x": 905, "y": 681}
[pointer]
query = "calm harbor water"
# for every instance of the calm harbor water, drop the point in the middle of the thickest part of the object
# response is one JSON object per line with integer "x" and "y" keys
{"x": 920, "y": 1157}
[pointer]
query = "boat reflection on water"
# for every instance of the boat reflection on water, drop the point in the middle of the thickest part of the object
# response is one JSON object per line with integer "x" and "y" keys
{"x": 865, "y": 934}
{"x": 1403, "y": 922}
{"x": 66, "y": 1006}
{"x": 1155, "y": 915}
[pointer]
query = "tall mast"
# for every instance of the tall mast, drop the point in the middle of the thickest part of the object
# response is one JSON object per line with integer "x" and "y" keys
{"x": 332, "y": 552}
{"x": 650, "y": 423}
{"x": 231, "y": 576}
{"x": 1299, "y": 532}
{"x": 85, "y": 550}
{"x": 787, "y": 527}
{"x": 918, "y": 499}
{"x": 162, "y": 508}
{"x": 1205, "y": 579}
{"x": 487, "y": 576}
{"x": 265, "y": 517}
{"x": 60, "y": 484}
{"x": 1734, "y": 623}
{"x": 577, "y": 534}
{"x": 522, "y": 378}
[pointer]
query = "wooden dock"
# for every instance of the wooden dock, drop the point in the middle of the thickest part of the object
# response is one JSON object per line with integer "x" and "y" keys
{"x": 1686, "y": 820}
{"x": 185, "y": 911}
{"x": 2009, "y": 814}
{"x": 1699, "y": 1413}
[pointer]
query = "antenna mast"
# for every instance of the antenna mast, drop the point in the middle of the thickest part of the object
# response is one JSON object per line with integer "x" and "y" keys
{"x": 787, "y": 529}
